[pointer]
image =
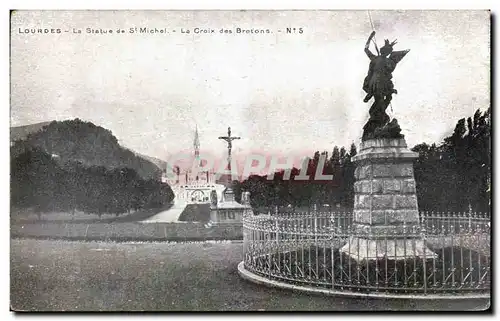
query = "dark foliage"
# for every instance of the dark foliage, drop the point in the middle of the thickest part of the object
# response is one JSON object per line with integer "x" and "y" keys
{"x": 41, "y": 182}
{"x": 305, "y": 193}
{"x": 456, "y": 175}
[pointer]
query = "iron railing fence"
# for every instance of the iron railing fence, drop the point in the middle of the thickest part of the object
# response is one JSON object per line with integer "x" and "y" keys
{"x": 305, "y": 249}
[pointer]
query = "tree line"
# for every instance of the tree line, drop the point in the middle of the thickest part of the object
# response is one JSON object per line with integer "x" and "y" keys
{"x": 454, "y": 176}
{"x": 45, "y": 183}
{"x": 305, "y": 193}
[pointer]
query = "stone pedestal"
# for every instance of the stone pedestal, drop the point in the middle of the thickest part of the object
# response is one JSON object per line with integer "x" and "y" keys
{"x": 228, "y": 210}
{"x": 386, "y": 218}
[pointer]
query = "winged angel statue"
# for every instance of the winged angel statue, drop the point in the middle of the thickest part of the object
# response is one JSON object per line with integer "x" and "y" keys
{"x": 378, "y": 84}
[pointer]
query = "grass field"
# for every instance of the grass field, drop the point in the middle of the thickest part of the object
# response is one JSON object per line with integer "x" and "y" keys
{"x": 92, "y": 276}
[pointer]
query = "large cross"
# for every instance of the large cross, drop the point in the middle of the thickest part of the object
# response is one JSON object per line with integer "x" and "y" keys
{"x": 229, "y": 139}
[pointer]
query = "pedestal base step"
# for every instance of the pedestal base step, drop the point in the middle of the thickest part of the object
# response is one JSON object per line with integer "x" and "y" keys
{"x": 373, "y": 249}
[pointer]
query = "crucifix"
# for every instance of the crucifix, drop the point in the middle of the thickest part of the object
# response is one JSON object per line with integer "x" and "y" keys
{"x": 229, "y": 139}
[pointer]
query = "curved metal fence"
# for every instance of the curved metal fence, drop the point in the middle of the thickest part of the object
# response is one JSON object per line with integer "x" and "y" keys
{"x": 314, "y": 249}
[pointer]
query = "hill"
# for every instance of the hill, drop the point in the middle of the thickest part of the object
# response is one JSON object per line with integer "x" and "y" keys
{"x": 72, "y": 141}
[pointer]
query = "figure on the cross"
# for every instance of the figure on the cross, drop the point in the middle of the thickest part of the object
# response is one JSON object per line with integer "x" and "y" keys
{"x": 378, "y": 84}
{"x": 229, "y": 139}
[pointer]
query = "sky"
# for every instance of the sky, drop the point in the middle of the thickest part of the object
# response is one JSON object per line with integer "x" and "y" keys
{"x": 281, "y": 93}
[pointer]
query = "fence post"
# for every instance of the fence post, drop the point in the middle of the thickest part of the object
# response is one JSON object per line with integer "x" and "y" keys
{"x": 316, "y": 240}
{"x": 423, "y": 235}
{"x": 278, "y": 245}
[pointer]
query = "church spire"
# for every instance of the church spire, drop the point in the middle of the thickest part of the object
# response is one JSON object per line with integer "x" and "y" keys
{"x": 196, "y": 144}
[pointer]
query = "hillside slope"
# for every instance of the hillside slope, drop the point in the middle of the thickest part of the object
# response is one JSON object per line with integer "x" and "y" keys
{"x": 161, "y": 164}
{"x": 21, "y": 132}
{"x": 83, "y": 142}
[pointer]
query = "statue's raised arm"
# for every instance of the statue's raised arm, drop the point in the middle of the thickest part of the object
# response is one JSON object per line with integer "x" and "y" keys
{"x": 367, "y": 46}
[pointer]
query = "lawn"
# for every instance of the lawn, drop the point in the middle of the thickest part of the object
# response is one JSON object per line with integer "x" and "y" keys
{"x": 96, "y": 276}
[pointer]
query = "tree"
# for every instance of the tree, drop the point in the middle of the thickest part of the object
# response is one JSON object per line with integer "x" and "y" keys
{"x": 347, "y": 174}
{"x": 455, "y": 175}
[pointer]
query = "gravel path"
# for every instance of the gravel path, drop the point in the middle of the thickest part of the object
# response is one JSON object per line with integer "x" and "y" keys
{"x": 75, "y": 276}
{"x": 170, "y": 215}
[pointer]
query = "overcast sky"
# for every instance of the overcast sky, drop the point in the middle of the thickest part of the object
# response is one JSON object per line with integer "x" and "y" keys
{"x": 279, "y": 92}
